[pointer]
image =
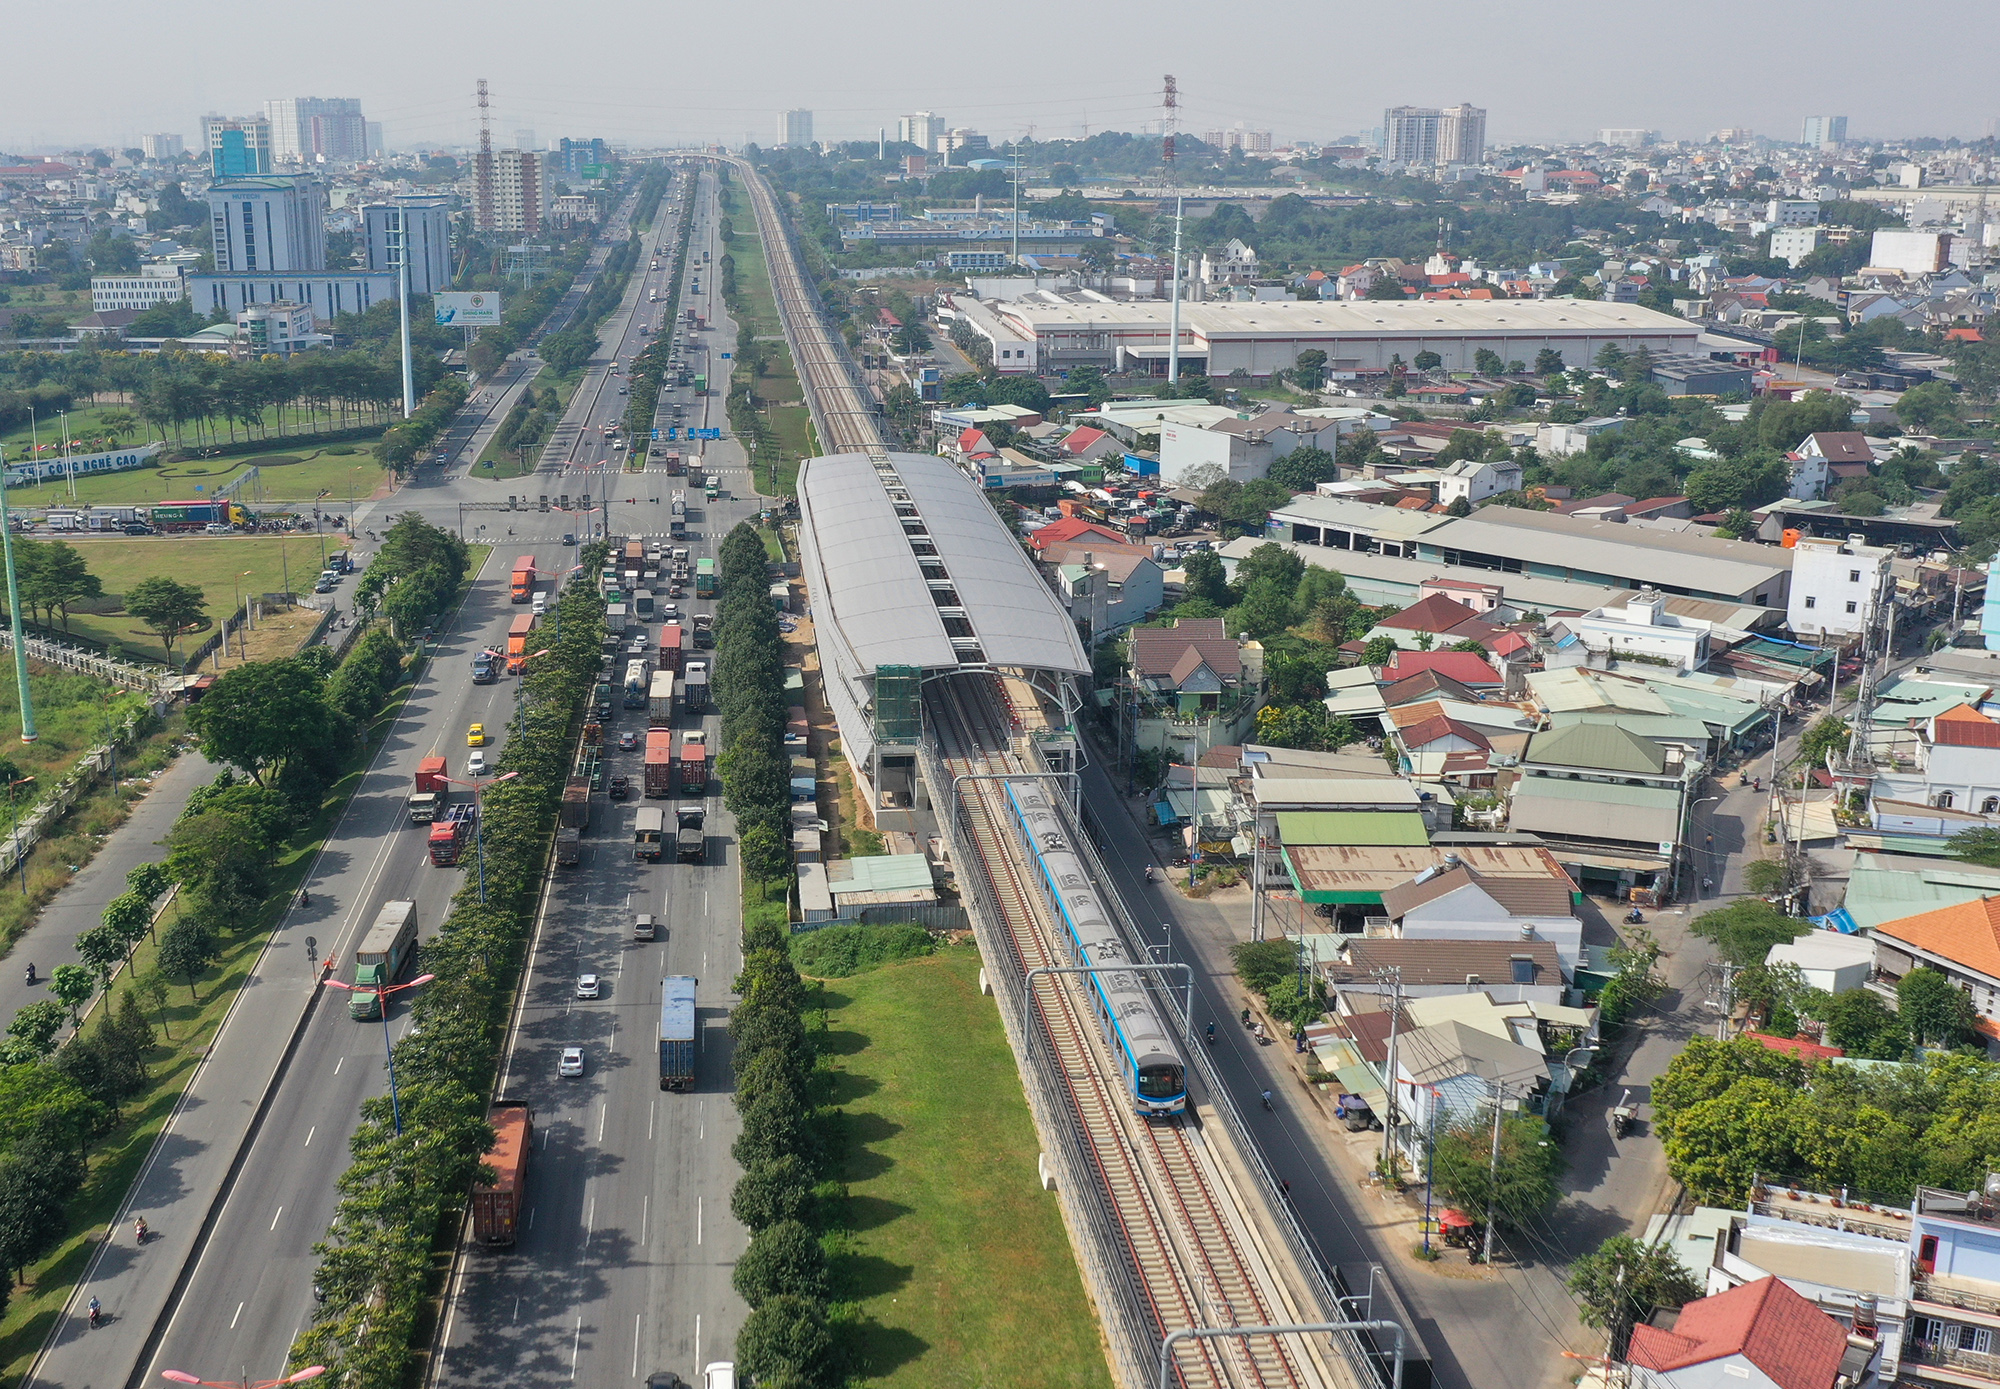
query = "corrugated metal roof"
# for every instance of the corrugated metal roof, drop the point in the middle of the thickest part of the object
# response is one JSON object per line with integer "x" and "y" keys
{"x": 1600, "y": 746}
{"x": 1351, "y": 827}
{"x": 1598, "y": 810}
{"x": 867, "y": 584}
{"x": 879, "y": 873}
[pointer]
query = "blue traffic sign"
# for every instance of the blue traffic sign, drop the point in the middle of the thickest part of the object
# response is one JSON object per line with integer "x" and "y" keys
{"x": 725, "y": 356}
{"x": 706, "y": 433}
{"x": 656, "y": 436}
{"x": 673, "y": 433}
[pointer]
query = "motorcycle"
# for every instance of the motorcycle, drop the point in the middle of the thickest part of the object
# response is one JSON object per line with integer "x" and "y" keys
{"x": 31, "y": 974}
{"x": 96, "y": 1313}
{"x": 1211, "y": 1034}
{"x": 1635, "y": 917}
{"x": 1623, "y": 1116}
{"x": 1267, "y": 1099}
{"x": 1149, "y": 872}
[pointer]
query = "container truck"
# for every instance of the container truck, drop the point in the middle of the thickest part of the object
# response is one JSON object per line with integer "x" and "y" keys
{"x": 704, "y": 577}
{"x": 704, "y": 630}
{"x": 517, "y": 642}
{"x": 642, "y": 604}
{"x": 690, "y": 839}
{"x": 636, "y": 684}
{"x": 496, "y": 1205}
{"x": 671, "y": 646}
{"x": 430, "y": 791}
{"x": 649, "y": 833}
{"x": 449, "y": 835}
{"x": 635, "y": 551}
{"x": 575, "y": 810}
{"x": 615, "y": 617}
{"x": 188, "y": 516}
{"x": 382, "y": 957}
{"x": 677, "y": 1033}
{"x": 523, "y": 586}
{"x": 695, "y": 686}
{"x": 660, "y": 700}
{"x": 569, "y": 848}
{"x": 659, "y": 763}
{"x": 693, "y": 774}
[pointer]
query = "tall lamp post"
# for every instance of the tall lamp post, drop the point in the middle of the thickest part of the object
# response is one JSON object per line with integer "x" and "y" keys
{"x": 14, "y": 832}
{"x": 479, "y": 819}
{"x": 382, "y": 992}
{"x": 28, "y": 734}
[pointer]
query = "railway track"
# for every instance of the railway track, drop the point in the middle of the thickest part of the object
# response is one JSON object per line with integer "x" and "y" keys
{"x": 1182, "y": 1249}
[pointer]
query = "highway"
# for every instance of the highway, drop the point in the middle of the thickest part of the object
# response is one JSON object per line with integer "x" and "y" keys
{"x": 225, "y": 1284}
{"x": 623, "y": 1267}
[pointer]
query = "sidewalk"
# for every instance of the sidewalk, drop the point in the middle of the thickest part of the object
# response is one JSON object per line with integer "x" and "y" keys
{"x": 51, "y": 941}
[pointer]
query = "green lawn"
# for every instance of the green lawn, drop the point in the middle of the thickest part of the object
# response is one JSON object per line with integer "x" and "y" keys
{"x": 215, "y": 564}
{"x": 93, "y": 428}
{"x": 184, "y": 1028}
{"x": 778, "y": 382}
{"x": 298, "y": 476}
{"x": 956, "y": 1258}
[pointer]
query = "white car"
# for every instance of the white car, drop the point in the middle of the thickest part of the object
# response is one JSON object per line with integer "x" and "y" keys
{"x": 588, "y": 986}
{"x": 570, "y": 1063}
{"x": 475, "y": 763}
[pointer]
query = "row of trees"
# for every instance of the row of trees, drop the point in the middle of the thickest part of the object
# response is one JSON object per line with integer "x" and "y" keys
{"x": 750, "y": 695}
{"x": 406, "y": 439}
{"x": 413, "y": 579}
{"x": 403, "y": 1188}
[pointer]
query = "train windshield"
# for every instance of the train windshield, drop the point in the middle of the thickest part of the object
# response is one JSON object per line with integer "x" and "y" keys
{"x": 1160, "y": 1082}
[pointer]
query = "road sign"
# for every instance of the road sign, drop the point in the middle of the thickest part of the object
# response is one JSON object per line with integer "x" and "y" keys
{"x": 725, "y": 356}
{"x": 673, "y": 433}
{"x": 706, "y": 433}
{"x": 656, "y": 436}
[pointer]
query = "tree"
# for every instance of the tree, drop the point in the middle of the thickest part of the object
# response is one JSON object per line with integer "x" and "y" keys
{"x": 1763, "y": 875}
{"x": 1386, "y": 287}
{"x": 1378, "y": 651}
{"x": 1717, "y": 1147}
{"x": 37, "y": 1181}
{"x": 33, "y": 1032}
{"x": 1427, "y": 360}
{"x": 1929, "y": 408}
{"x": 1262, "y": 964}
{"x": 187, "y": 948}
{"x": 1624, "y": 1281}
{"x": 167, "y": 608}
{"x": 54, "y": 577}
{"x": 788, "y": 1337}
{"x": 1827, "y": 734}
{"x": 1549, "y": 362}
{"x": 1521, "y": 1187}
{"x": 1936, "y": 1011}
{"x": 1459, "y": 507}
{"x": 1303, "y": 469}
{"x": 258, "y": 715}
{"x": 775, "y": 1125}
{"x": 1487, "y": 362}
{"x": 774, "y": 1191}
{"x": 1310, "y": 369}
{"x": 103, "y": 950}
{"x": 1611, "y": 361}
{"x": 1976, "y": 846}
{"x": 1745, "y": 930}
{"x": 129, "y": 915}
{"x": 783, "y": 1260}
{"x": 1205, "y": 581}
{"x": 1861, "y": 1024}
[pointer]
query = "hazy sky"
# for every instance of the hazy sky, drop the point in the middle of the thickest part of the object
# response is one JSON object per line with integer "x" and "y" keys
{"x": 103, "y": 71}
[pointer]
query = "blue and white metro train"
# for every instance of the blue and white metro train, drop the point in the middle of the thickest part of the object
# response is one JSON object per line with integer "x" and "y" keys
{"x": 1155, "y": 1076}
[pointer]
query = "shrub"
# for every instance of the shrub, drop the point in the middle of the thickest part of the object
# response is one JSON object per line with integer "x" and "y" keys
{"x": 788, "y": 1336}
{"x": 835, "y": 952}
{"x": 771, "y": 1192}
{"x": 783, "y": 1260}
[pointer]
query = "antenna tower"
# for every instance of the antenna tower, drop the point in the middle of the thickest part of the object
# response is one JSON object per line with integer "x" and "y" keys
{"x": 1170, "y": 119}
{"x": 482, "y": 169}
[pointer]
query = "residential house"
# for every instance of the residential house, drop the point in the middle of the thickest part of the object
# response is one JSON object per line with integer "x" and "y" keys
{"x": 1949, "y": 760}
{"x": 1452, "y": 900}
{"x": 1836, "y": 587}
{"x": 1132, "y": 584}
{"x": 1761, "y": 1334}
{"x": 1074, "y": 529}
{"x": 1612, "y": 804}
{"x": 1964, "y": 942}
{"x": 1192, "y": 687}
{"x": 1087, "y": 444}
{"x": 1644, "y": 627}
{"x": 1472, "y": 480}
{"x": 1454, "y": 1070}
{"x": 1243, "y": 446}
{"x": 1845, "y": 453}
{"x": 1506, "y": 971}
{"x": 1436, "y": 621}
{"x": 1234, "y": 264}
{"x": 1466, "y": 667}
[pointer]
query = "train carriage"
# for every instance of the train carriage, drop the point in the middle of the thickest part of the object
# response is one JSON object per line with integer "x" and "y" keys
{"x": 1153, "y": 1070}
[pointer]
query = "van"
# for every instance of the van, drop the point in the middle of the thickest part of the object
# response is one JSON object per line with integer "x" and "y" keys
{"x": 218, "y": 528}
{"x": 540, "y": 605}
{"x": 720, "y": 1375}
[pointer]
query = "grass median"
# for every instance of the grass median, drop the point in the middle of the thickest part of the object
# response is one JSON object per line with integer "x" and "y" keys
{"x": 955, "y": 1260}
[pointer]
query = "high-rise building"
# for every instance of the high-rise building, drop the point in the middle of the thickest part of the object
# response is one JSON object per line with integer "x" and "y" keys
{"x": 314, "y": 129}
{"x": 238, "y": 146}
{"x": 524, "y": 139}
{"x": 267, "y": 224}
{"x": 160, "y": 147}
{"x": 1625, "y": 139}
{"x": 516, "y": 195}
{"x": 795, "y": 128}
{"x": 378, "y": 144}
{"x": 571, "y": 157}
{"x": 921, "y": 128}
{"x": 1462, "y": 134}
{"x": 1824, "y": 132}
{"x": 429, "y": 222}
{"x": 1426, "y": 135}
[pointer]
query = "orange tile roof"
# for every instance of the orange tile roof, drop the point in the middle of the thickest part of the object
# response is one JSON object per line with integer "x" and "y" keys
{"x": 1966, "y": 933}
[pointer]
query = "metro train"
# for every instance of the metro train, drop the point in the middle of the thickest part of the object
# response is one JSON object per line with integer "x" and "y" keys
{"x": 1150, "y": 1063}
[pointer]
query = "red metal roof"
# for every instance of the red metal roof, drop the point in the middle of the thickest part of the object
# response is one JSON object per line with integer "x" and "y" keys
{"x": 1963, "y": 726}
{"x": 1794, "y": 1343}
{"x": 1462, "y": 666}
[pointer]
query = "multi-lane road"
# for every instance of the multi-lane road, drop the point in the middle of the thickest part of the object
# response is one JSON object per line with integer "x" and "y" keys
{"x": 225, "y": 1283}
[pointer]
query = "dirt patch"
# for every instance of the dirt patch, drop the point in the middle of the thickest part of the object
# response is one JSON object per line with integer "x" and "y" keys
{"x": 276, "y": 635}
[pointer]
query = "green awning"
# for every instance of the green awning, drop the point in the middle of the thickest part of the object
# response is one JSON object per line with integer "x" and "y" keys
{"x": 1370, "y": 828}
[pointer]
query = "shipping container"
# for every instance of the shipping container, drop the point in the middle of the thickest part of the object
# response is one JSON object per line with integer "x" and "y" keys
{"x": 693, "y": 775}
{"x": 704, "y": 578}
{"x": 660, "y": 700}
{"x": 694, "y": 687}
{"x": 659, "y": 763}
{"x": 382, "y": 957}
{"x": 575, "y": 812}
{"x": 672, "y": 646}
{"x": 451, "y": 834}
{"x": 496, "y": 1205}
{"x": 677, "y": 1033}
{"x": 430, "y": 791}
{"x": 518, "y": 632}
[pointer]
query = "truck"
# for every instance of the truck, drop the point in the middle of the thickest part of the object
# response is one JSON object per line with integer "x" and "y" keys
{"x": 677, "y": 1039}
{"x": 523, "y": 583}
{"x": 381, "y": 958}
{"x": 659, "y": 763}
{"x": 616, "y": 615}
{"x": 694, "y": 683}
{"x": 574, "y": 812}
{"x": 429, "y": 791}
{"x": 642, "y": 603}
{"x": 450, "y": 833}
{"x": 704, "y": 630}
{"x": 691, "y": 842}
{"x": 569, "y": 848}
{"x": 649, "y": 833}
{"x": 704, "y": 577}
{"x": 517, "y": 642}
{"x": 189, "y": 516}
{"x": 660, "y": 700}
{"x": 636, "y": 684}
{"x": 672, "y": 646}
{"x": 676, "y": 465}
{"x": 692, "y": 765}
{"x": 635, "y": 551}
{"x": 486, "y": 667}
{"x": 679, "y": 506}
{"x": 496, "y": 1205}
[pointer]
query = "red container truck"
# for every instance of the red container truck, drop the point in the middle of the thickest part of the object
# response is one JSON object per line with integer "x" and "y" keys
{"x": 496, "y": 1205}
{"x": 693, "y": 773}
{"x": 673, "y": 647}
{"x": 450, "y": 835}
{"x": 431, "y": 791}
{"x": 659, "y": 763}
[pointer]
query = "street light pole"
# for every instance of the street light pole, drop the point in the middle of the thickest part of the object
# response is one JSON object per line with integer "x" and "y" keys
{"x": 28, "y": 734}
{"x": 14, "y": 832}
{"x": 382, "y": 992}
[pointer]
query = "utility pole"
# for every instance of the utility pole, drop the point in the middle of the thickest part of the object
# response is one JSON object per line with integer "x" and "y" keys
{"x": 1493, "y": 1173}
{"x": 403, "y": 305}
{"x": 1174, "y": 316}
{"x": 28, "y": 734}
{"x": 1394, "y": 976}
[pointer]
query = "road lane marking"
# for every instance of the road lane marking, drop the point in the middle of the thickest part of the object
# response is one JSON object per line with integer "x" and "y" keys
{"x": 338, "y": 1064}
{"x": 576, "y": 1348}
{"x": 697, "y": 1338}
{"x": 635, "y": 1345}
{"x": 309, "y": 1135}
{"x": 602, "y": 1114}
{"x": 590, "y": 1221}
{"x": 652, "y": 1108}
{"x": 697, "y": 1220}
{"x": 531, "y": 1216}
{"x": 701, "y": 1129}
{"x": 517, "y": 1309}
{"x": 238, "y": 1317}
{"x": 274, "y": 1219}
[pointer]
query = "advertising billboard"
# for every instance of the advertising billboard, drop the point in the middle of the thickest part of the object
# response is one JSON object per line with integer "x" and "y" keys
{"x": 480, "y": 309}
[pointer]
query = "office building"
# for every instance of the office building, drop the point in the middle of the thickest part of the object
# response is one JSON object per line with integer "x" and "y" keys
{"x": 924, "y": 129}
{"x": 1427, "y": 135}
{"x": 378, "y": 144}
{"x": 1825, "y": 132}
{"x": 316, "y": 130}
{"x": 524, "y": 139}
{"x": 579, "y": 159}
{"x": 152, "y": 286}
{"x": 161, "y": 147}
{"x": 511, "y": 191}
{"x": 1625, "y": 139}
{"x": 961, "y": 140}
{"x": 269, "y": 239}
{"x": 429, "y": 221}
{"x": 238, "y": 146}
{"x": 795, "y": 128}
{"x": 1249, "y": 141}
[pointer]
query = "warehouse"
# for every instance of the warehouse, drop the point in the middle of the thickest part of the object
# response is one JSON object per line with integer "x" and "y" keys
{"x": 1063, "y": 331}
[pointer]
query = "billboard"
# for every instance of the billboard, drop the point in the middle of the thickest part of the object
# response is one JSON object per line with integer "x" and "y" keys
{"x": 476, "y": 310}
{"x": 50, "y": 466}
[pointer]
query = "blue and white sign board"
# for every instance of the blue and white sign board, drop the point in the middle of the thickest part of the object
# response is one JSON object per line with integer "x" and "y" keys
{"x": 673, "y": 433}
{"x": 706, "y": 433}
{"x": 656, "y": 436}
{"x": 51, "y": 468}
{"x": 725, "y": 356}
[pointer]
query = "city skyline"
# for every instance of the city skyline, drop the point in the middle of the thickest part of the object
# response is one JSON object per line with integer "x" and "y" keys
{"x": 421, "y": 89}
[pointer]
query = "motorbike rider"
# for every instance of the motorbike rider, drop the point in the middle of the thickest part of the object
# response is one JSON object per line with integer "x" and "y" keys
{"x": 31, "y": 972}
